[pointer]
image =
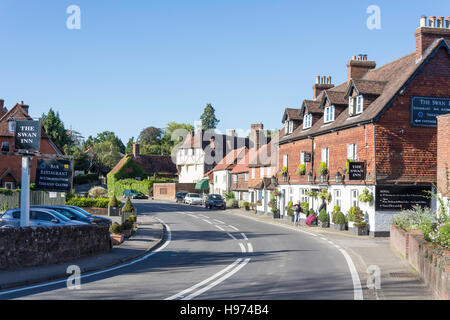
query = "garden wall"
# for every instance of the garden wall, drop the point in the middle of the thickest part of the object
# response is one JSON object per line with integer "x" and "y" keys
{"x": 429, "y": 262}
{"x": 10, "y": 199}
{"x": 27, "y": 247}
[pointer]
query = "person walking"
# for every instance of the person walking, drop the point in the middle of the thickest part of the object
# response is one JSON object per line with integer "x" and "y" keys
{"x": 297, "y": 210}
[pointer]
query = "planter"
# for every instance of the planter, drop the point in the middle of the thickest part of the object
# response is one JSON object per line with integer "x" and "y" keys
{"x": 126, "y": 215}
{"x": 360, "y": 231}
{"x": 127, "y": 233}
{"x": 276, "y": 215}
{"x": 116, "y": 239}
{"x": 291, "y": 218}
{"x": 113, "y": 211}
{"x": 340, "y": 227}
{"x": 325, "y": 224}
{"x": 247, "y": 208}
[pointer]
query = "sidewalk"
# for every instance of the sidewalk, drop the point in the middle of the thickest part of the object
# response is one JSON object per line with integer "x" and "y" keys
{"x": 149, "y": 234}
{"x": 398, "y": 280}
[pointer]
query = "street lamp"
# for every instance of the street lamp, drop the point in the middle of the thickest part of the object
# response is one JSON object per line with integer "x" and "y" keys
{"x": 273, "y": 180}
{"x": 338, "y": 177}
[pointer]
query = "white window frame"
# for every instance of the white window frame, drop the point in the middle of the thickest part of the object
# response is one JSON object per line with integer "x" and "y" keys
{"x": 261, "y": 172}
{"x": 8, "y": 183}
{"x": 359, "y": 104}
{"x": 307, "y": 121}
{"x": 351, "y": 106}
{"x": 253, "y": 173}
{"x": 325, "y": 156}
{"x": 291, "y": 126}
{"x": 235, "y": 178}
{"x": 329, "y": 114}
{"x": 338, "y": 198}
{"x": 246, "y": 176}
{"x": 354, "y": 201}
{"x": 285, "y": 161}
{"x": 352, "y": 151}
{"x": 303, "y": 196}
{"x": 268, "y": 171}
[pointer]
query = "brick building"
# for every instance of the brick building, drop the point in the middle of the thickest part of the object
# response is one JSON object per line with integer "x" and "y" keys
{"x": 443, "y": 156}
{"x": 11, "y": 165}
{"x": 376, "y": 131}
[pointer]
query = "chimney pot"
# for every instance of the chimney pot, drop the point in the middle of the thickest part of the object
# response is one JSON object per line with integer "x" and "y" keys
{"x": 431, "y": 21}
{"x": 136, "y": 150}
{"x": 231, "y": 133}
{"x": 447, "y": 22}
{"x": 317, "y": 79}
{"x": 423, "y": 21}
{"x": 323, "y": 80}
{"x": 440, "y": 22}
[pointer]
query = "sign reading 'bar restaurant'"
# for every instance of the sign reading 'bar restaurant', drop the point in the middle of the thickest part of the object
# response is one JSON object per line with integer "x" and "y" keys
{"x": 27, "y": 135}
{"x": 54, "y": 175}
{"x": 424, "y": 110}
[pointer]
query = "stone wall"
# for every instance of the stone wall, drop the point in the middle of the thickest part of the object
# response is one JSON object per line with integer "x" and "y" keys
{"x": 26, "y": 247}
{"x": 429, "y": 262}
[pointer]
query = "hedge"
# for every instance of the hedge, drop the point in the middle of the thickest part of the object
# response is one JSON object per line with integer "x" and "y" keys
{"x": 88, "y": 202}
{"x": 85, "y": 179}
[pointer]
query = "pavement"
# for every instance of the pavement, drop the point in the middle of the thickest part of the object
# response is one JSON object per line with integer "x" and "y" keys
{"x": 397, "y": 279}
{"x": 148, "y": 236}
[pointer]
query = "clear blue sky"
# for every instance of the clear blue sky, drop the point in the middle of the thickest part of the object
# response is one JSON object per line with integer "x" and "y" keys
{"x": 135, "y": 64}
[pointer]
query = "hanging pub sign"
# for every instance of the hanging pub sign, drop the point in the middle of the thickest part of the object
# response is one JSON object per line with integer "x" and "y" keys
{"x": 27, "y": 135}
{"x": 424, "y": 110}
{"x": 396, "y": 198}
{"x": 356, "y": 171}
{"x": 54, "y": 175}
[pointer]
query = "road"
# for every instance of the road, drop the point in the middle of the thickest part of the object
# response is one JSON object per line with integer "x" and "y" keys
{"x": 214, "y": 254}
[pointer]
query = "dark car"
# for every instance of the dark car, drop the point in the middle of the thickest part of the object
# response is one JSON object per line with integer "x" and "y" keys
{"x": 97, "y": 219}
{"x": 215, "y": 201}
{"x": 133, "y": 194}
{"x": 75, "y": 213}
{"x": 180, "y": 196}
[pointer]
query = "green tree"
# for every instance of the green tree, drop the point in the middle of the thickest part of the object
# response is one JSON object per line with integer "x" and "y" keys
{"x": 150, "y": 135}
{"x": 129, "y": 148}
{"x": 54, "y": 128}
{"x": 107, "y": 137}
{"x": 209, "y": 120}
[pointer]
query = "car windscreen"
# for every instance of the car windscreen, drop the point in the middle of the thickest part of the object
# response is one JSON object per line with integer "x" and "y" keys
{"x": 67, "y": 213}
{"x": 82, "y": 211}
{"x": 194, "y": 195}
{"x": 216, "y": 197}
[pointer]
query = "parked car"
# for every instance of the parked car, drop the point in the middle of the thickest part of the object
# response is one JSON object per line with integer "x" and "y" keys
{"x": 98, "y": 219}
{"x": 133, "y": 194}
{"x": 74, "y": 214}
{"x": 215, "y": 201}
{"x": 39, "y": 217}
{"x": 193, "y": 198}
{"x": 180, "y": 196}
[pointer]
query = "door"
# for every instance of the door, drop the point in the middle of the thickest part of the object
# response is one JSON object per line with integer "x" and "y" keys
{"x": 265, "y": 200}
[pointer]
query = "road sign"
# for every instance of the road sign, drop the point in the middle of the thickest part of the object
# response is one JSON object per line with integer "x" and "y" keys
{"x": 27, "y": 135}
{"x": 54, "y": 175}
{"x": 424, "y": 110}
{"x": 356, "y": 171}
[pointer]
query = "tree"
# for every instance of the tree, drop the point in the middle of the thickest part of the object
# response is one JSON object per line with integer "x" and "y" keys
{"x": 209, "y": 120}
{"x": 54, "y": 128}
{"x": 129, "y": 148}
{"x": 150, "y": 136}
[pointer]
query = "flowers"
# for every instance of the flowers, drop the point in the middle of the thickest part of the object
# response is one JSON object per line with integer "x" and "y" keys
{"x": 310, "y": 220}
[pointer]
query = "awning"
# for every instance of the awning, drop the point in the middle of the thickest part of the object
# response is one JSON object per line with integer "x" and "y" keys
{"x": 202, "y": 184}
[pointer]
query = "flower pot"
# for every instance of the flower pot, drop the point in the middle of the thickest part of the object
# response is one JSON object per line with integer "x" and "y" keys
{"x": 247, "y": 208}
{"x": 116, "y": 239}
{"x": 113, "y": 211}
{"x": 324, "y": 224}
{"x": 340, "y": 227}
{"x": 276, "y": 215}
{"x": 360, "y": 231}
{"x": 127, "y": 233}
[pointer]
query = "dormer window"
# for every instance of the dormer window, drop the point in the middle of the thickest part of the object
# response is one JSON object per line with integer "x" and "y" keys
{"x": 307, "y": 121}
{"x": 329, "y": 114}
{"x": 355, "y": 105}
{"x": 290, "y": 126}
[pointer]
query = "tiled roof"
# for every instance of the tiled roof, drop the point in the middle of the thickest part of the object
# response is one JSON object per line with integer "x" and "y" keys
{"x": 371, "y": 87}
{"x": 150, "y": 164}
{"x": 264, "y": 156}
{"x": 291, "y": 114}
{"x": 242, "y": 165}
{"x": 395, "y": 75}
{"x": 231, "y": 159}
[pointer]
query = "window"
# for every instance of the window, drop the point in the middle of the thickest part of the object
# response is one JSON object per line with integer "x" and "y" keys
{"x": 11, "y": 126}
{"x": 268, "y": 171}
{"x": 307, "y": 121}
{"x": 354, "y": 198}
{"x": 337, "y": 198}
{"x": 285, "y": 161}
{"x": 302, "y": 157}
{"x": 259, "y": 195}
{"x": 351, "y": 106}
{"x": 38, "y": 215}
{"x": 291, "y": 126}
{"x": 291, "y": 194}
{"x": 215, "y": 179}
{"x": 235, "y": 178}
{"x": 329, "y": 114}
{"x": 325, "y": 155}
{"x": 355, "y": 105}
{"x": 253, "y": 173}
{"x": 303, "y": 196}
{"x": 352, "y": 151}
{"x": 5, "y": 146}
{"x": 8, "y": 185}
{"x": 261, "y": 172}
{"x": 359, "y": 104}
{"x": 246, "y": 177}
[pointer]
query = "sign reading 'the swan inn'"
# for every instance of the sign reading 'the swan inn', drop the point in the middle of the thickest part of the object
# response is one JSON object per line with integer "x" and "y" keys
{"x": 424, "y": 110}
{"x": 27, "y": 135}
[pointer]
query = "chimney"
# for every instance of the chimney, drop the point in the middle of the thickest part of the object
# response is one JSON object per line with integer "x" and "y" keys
{"x": 359, "y": 66}
{"x": 426, "y": 33}
{"x": 2, "y": 108}
{"x": 24, "y": 106}
{"x": 231, "y": 133}
{"x": 136, "y": 150}
{"x": 256, "y": 134}
{"x": 322, "y": 83}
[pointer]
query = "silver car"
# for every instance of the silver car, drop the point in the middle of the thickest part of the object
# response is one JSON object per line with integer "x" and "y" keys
{"x": 193, "y": 198}
{"x": 39, "y": 217}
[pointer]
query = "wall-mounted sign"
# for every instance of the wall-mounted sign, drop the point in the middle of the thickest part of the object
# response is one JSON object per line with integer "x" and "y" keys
{"x": 27, "y": 135}
{"x": 424, "y": 110}
{"x": 54, "y": 175}
{"x": 356, "y": 171}
{"x": 396, "y": 198}
{"x": 307, "y": 157}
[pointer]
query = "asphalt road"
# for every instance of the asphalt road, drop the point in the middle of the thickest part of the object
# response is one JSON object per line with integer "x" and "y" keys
{"x": 213, "y": 254}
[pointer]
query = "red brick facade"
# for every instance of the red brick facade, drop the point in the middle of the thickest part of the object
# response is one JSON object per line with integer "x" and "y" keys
{"x": 443, "y": 155}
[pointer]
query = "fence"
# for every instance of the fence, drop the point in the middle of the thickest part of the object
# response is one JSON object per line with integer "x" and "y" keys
{"x": 11, "y": 199}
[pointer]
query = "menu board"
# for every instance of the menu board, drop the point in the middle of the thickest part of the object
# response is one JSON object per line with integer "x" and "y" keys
{"x": 396, "y": 198}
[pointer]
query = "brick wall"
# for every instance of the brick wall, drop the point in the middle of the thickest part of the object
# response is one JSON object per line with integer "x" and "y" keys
{"x": 26, "y": 247}
{"x": 167, "y": 191}
{"x": 241, "y": 184}
{"x": 443, "y": 154}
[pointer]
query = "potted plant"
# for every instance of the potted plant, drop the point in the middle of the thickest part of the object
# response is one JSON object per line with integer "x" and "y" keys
{"x": 366, "y": 196}
{"x": 290, "y": 211}
{"x": 322, "y": 171}
{"x": 360, "y": 225}
{"x": 114, "y": 207}
{"x": 351, "y": 217}
{"x": 336, "y": 209}
{"x": 127, "y": 210}
{"x": 284, "y": 171}
{"x": 301, "y": 170}
{"x": 324, "y": 219}
{"x": 311, "y": 193}
{"x": 116, "y": 233}
{"x": 324, "y": 195}
{"x": 305, "y": 213}
{"x": 340, "y": 221}
{"x": 247, "y": 206}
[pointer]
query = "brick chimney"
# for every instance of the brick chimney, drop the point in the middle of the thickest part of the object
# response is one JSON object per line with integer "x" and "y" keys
{"x": 136, "y": 150}
{"x": 428, "y": 32}
{"x": 256, "y": 135}
{"x": 24, "y": 106}
{"x": 231, "y": 133}
{"x": 359, "y": 66}
{"x": 322, "y": 83}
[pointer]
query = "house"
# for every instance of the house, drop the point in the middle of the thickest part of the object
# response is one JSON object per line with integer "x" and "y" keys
{"x": 239, "y": 179}
{"x": 222, "y": 171}
{"x": 375, "y": 133}
{"x": 263, "y": 170}
{"x": 443, "y": 157}
{"x": 10, "y": 164}
{"x": 140, "y": 166}
{"x": 200, "y": 152}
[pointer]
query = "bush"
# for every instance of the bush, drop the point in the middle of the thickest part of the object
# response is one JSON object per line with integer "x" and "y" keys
{"x": 335, "y": 211}
{"x": 442, "y": 235}
{"x": 114, "y": 202}
{"x": 132, "y": 218}
{"x": 340, "y": 218}
{"x": 128, "y": 207}
{"x": 116, "y": 228}
{"x": 229, "y": 195}
{"x": 246, "y": 204}
{"x": 323, "y": 216}
{"x": 290, "y": 211}
{"x": 98, "y": 192}
{"x": 85, "y": 179}
{"x": 241, "y": 203}
{"x": 359, "y": 218}
{"x": 351, "y": 214}
{"x": 305, "y": 206}
{"x": 88, "y": 202}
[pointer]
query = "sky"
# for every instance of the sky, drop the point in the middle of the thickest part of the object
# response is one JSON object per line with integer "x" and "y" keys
{"x": 134, "y": 63}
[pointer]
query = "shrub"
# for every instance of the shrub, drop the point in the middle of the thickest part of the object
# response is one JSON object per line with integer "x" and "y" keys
{"x": 322, "y": 168}
{"x": 359, "y": 218}
{"x": 229, "y": 195}
{"x": 290, "y": 211}
{"x": 340, "y": 218}
{"x": 351, "y": 214}
{"x": 85, "y": 179}
{"x": 323, "y": 216}
{"x": 116, "y": 228}
{"x": 365, "y": 196}
{"x": 88, "y": 202}
{"x": 414, "y": 218}
{"x": 241, "y": 203}
{"x": 128, "y": 207}
{"x": 335, "y": 211}
{"x": 442, "y": 235}
{"x": 132, "y": 218}
{"x": 246, "y": 204}
{"x": 98, "y": 192}
{"x": 127, "y": 224}
{"x": 305, "y": 206}
{"x": 113, "y": 202}
{"x": 325, "y": 195}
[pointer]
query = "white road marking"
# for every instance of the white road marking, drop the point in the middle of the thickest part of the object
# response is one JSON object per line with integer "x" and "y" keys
{"x": 233, "y": 237}
{"x": 219, "y": 227}
{"x": 357, "y": 290}
{"x": 201, "y": 215}
{"x": 229, "y": 274}
{"x": 232, "y": 227}
{"x": 169, "y": 238}
{"x": 207, "y": 221}
{"x": 242, "y": 247}
{"x": 219, "y": 221}
{"x": 244, "y": 236}
{"x": 250, "y": 247}
{"x": 182, "y": 293}
{"x": 191, "y": 215}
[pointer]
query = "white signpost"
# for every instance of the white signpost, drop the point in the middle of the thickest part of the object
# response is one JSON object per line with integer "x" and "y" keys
{"x": 25, "y": 192}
